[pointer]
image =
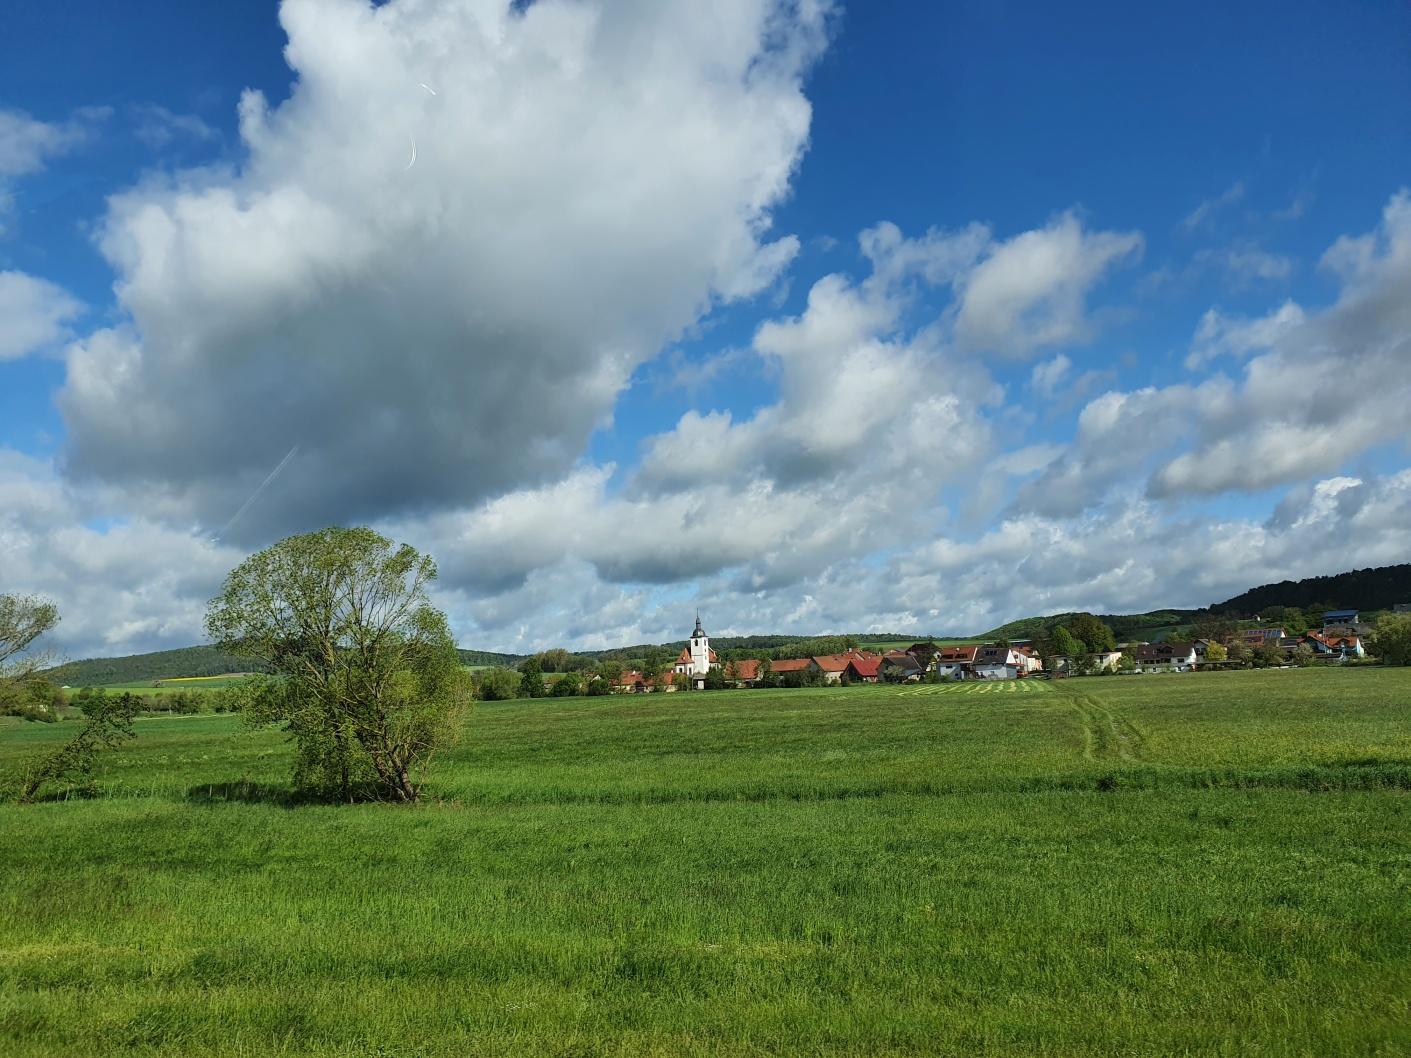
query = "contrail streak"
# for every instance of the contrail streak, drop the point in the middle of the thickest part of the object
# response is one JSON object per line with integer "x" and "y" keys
{"x": 256, "y": 494}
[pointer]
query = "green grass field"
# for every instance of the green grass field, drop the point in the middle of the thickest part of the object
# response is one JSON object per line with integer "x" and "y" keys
{"x": 1185, "y": 864}
{"x": 170, "y": 685}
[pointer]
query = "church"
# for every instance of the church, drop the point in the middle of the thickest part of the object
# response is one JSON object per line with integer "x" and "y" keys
{"x": 696, "y": 657}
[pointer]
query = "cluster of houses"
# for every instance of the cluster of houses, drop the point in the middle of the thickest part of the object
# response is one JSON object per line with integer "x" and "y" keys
{"x": 1340, "y": 638}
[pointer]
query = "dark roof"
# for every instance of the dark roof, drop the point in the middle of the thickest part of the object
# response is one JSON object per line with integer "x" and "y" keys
{"x": 902, "y": 660}
{"x": 992, "y": 655}
{"x": 1164, "y": 651}
{"x": 1335, "y": 614}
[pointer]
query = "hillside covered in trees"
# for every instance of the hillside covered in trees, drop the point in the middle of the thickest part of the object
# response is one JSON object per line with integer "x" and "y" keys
{"x": 1151, "y": 625}
{"x": 1364, "y": 589}
{"x": 138, "y": 668}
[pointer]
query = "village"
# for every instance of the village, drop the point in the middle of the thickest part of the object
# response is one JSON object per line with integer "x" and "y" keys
{"x": 699, "y": 668}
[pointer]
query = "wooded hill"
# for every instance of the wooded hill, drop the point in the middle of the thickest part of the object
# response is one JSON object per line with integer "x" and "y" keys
{"x": 139, "y": 668}
{"x": 1362, "y": 589}
{"x": 1150, "y": 626}
{"x": 193, "y": 661}
{"x": 1368, "y": 590}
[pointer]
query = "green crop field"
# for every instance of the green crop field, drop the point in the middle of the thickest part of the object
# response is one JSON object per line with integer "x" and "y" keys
{"x": 1165, "y": 865}
{"x": 172, "y": 685}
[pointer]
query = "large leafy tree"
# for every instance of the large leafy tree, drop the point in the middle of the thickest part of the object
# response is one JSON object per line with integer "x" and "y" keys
{"x": 1392, "y": 640}
{"x": 1095, "y": 636}
{"x": 22, "y": 621}
{"x": 365, "y": 674}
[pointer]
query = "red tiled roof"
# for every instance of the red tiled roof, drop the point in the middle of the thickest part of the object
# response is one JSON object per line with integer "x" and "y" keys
{"x": 832, "y": 662}
{"x": 744, "y": 670}
{"x": 865, "y": 667}
{"x": 951, "y": 655}
{"x": 790, "y": 664}
{"x": 684, "y": 658}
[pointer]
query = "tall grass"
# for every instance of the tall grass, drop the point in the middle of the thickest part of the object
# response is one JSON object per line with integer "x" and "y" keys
{"x": 1107, "y": 866}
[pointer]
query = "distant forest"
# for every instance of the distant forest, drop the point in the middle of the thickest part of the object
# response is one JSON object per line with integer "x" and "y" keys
{"x": 1362, "y": 589}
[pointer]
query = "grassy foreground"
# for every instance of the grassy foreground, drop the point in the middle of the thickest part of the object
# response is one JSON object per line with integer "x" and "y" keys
{"x": 1212, "y": 864}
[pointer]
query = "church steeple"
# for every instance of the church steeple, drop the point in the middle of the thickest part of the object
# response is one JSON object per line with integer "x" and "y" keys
{"x": 699, "y": 633}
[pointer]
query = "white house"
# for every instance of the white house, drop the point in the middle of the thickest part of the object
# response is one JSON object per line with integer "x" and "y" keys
{"x": 955, "y": 663}
{"x": 1003, "y": 663}
{"x": 1102, "y": 661}
{"x": 1166, "y": 657}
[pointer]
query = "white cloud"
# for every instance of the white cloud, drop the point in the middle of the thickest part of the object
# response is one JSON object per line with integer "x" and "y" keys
{"x": 1246, "y": 263}
{"x": 848, "y": 460}
{"x": 1202, "y": 213}
{"x": 1048, "y": 375}
{"x": 158, "y": 127}
{"x": 1323, "y": 387}
{"x": 122, "y": 586}
{"x": 1219, "y": 335}
{"x": 27, "y": 145}
{"x": 588, "y": 180}
{"x": 34, "y": 314}
{"x": 1030, "y": 292}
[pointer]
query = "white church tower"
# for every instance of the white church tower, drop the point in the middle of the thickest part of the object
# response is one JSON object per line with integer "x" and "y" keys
{"x": 696, "y": 657}
{"x": 700, "y": 649}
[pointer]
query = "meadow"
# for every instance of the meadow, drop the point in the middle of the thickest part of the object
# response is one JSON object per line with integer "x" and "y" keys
{"x": 1181, "y": 864}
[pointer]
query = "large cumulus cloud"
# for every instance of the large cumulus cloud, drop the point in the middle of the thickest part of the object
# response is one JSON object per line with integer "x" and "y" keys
{"x": 443, "y": 255}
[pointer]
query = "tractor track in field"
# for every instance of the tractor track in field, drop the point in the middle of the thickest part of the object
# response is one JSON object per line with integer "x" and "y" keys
{"x": 1107, "y": 735}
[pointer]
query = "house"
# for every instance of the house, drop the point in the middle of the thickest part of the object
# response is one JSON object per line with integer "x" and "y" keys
{"x": 1166, "y": 657}
{"x": 994, "y": 662}
{"x": 1334, "y": 646}
{"x": 784, "y": 666}
{"x": 834, "y": 665}
{"x": 864, "y": 670}
{"x": 1102, "y": 661}
{"x": 1339, "y": 619}
{"x": 1254, "y": 638}
{"x": 697, "y": 658}
{"x": 925, "y": 653}
{"x": 1029, "y": 660}
{"x": 897, "y": 666}
{"x": 831, "y": 665}
{"x": 634, "y": 682}
{"x": 1401, "y": 607}
{"x": 954, "y": 663}
{"x": 742, "y": 673}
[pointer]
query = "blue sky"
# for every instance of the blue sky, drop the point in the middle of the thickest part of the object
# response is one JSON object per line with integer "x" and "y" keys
{"x": 592, "y": 302}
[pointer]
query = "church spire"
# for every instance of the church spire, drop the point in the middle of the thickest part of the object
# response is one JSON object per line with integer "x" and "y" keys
{"x": 699, "y": 633}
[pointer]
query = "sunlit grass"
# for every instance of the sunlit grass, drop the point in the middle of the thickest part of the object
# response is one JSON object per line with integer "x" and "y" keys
{"x": 1156, "y": 865}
